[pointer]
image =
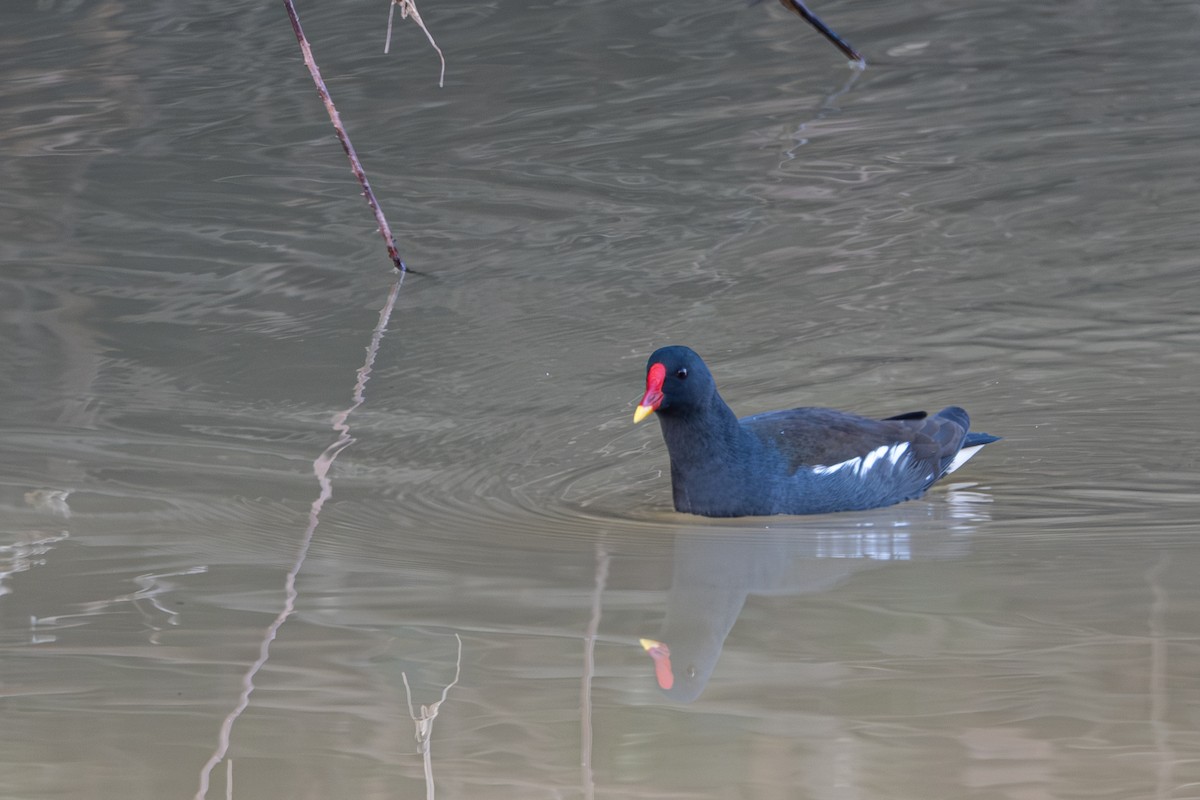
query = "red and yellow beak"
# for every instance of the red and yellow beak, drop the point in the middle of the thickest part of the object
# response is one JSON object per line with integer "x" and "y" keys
{"x": 653, "y": 397}
{"x": 662, "y": 661}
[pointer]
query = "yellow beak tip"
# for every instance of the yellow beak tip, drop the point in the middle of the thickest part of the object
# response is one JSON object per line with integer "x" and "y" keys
{"x": 641, "y": 413}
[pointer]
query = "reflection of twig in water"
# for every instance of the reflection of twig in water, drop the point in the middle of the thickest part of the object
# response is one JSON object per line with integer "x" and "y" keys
{"x": 429, "y": 713}
{"x": 408, "y": 8}
{"x": 589, "y": 669}
{"x": 826, "y": 106}
{"x": 1158, "y": 689}
{"x": 23, "y": 555}
{"x": 321, "y": 467}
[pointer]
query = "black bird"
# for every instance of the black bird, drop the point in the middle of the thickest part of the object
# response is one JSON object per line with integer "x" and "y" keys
{"x": 799, "y": 461}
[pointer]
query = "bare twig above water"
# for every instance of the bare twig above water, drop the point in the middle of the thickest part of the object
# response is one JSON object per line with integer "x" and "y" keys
{"x": 408, "y": 8}
{"x": 384, "y": 230}
{"x": 801, "y": 10}
{"x": 424, "y": 722}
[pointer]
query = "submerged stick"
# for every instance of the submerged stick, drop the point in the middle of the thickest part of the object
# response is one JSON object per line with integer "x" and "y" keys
{"x": 384, "y": 230}
{"x": 798, "y": 7}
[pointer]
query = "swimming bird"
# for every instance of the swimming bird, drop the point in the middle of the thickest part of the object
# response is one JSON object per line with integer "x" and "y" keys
{"x": 798, "y": 461}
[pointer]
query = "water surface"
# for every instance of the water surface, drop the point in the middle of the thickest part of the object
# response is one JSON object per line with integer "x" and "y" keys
{"x": 999, "y": 212}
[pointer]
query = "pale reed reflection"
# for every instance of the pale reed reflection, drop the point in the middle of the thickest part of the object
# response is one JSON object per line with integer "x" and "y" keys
{"x": 1158, "y": 679}
{"x": 589, "y": 668}
{"x": 31, "y": 547}
{"x": 52, "y": 501}
{"x": 801, "y": 135}
{"x": 321, "y": 466}
{"x": 23, "y": 555}
{"x": 429, "y": 713}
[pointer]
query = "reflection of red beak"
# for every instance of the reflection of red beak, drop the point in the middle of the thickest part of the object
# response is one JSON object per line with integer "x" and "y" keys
{"x": 653, "y": 397}
{"x": 662, "y": 662}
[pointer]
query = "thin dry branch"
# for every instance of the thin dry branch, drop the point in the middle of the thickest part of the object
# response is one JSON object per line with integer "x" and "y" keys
{"x": 384, "y": 230}
{"x": 408, "y": 8}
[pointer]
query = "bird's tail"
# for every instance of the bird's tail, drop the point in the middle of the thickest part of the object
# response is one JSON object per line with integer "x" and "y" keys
{"x": 977, "y": 439}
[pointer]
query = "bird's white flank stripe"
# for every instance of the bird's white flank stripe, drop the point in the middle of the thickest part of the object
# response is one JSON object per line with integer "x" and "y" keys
{"x": 861, "y": 465}
{"x": 850, "y": 464}
{"x": 871, "y": 457}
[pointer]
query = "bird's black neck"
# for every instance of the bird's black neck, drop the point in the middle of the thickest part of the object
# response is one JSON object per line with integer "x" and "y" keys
{"x": 702, "y": 445}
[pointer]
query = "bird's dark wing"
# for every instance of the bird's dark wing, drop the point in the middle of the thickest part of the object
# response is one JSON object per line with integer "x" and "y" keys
{"x": 824, "y": 436}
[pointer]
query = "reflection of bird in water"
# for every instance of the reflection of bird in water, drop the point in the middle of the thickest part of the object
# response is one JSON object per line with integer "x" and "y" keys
{"x": 712, "y": 576}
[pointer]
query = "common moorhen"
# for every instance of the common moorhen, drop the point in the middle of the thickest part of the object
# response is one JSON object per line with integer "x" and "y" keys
{"x": 799, "y": 461}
